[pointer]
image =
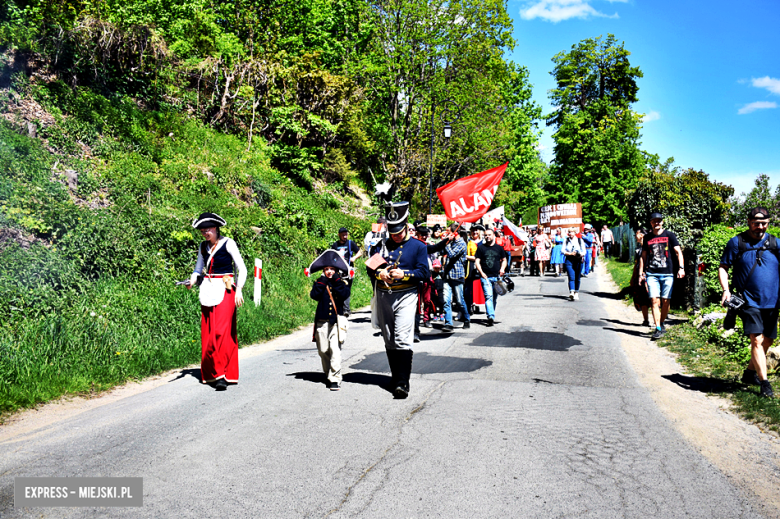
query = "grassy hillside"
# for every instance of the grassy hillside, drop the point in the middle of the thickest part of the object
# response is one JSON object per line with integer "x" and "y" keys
{"x": 96, "y": 198}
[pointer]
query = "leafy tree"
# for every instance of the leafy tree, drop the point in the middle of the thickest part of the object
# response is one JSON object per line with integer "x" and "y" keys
{"x": 760, "y": 195}
{"x": 522, "y": 191}
{"x": 597, "y": 156}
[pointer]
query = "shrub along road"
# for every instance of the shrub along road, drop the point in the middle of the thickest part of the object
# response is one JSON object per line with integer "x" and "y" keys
{"x": 540, "y": 416}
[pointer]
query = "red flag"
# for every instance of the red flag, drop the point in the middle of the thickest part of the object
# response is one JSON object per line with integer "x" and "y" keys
{"x": 467, "y": 199}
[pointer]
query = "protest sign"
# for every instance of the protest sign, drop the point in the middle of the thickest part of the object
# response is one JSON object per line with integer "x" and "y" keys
{"x": 552, "y": 217}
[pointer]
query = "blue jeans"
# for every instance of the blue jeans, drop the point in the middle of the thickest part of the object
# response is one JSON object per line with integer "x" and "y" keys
{"x": 586, "y": 262}
{"x": 448, "y": 288}
{"x": 490, "y": 297}
{"x": 574, "y": 271}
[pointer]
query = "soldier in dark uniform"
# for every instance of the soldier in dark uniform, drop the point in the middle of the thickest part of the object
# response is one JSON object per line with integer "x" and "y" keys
{"x": 404, "y": 266}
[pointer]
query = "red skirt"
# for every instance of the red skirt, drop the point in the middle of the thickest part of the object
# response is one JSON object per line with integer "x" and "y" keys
{"x": 219, "y": 340}
{"x": 479, "y": 295}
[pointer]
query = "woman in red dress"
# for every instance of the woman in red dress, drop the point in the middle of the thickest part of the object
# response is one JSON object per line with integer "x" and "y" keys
{"x": 220, "y": 296}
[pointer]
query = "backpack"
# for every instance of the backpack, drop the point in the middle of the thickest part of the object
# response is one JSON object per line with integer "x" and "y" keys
{"x": 770, "y": 244}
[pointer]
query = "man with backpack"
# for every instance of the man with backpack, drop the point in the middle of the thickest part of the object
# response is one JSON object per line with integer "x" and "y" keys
{"x": 754, "y": 256}
{"x": 656, "y": 266}
{"x": 350, "y": 251}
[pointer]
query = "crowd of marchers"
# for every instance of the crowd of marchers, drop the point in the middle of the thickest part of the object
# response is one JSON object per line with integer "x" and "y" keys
{"x": 425, "y": 276}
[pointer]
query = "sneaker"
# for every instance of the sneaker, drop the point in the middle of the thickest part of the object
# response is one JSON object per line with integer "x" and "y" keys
{"x": 467, "y": 325}
{"x": 571, "y": 296}
{"x": 663, "y": 327}
{"x": 489, "y": 321}
{"x": 766, "y": 389}
{"x": 427, "y": 324}
{"x": 584, "y": 275}
{"x": 657, "y": 334}
{"x": 335, "y": 386}
{"x": 447, "y": 328}
{"x": 416, "y": 338}
{"x": 221, "y": 385}
{"x": 750, "y": 377}
{"x": 576, "y": 296}
{"x": 645, "y": 323}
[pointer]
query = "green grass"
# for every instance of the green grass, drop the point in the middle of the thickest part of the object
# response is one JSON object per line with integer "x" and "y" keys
{"x": 621, "y": 274}
{"x": 91, "y": 302}
{"x": 716, "y": 362}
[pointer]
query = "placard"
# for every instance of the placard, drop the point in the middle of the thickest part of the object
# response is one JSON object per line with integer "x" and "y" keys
{"x": 557, "y": 216}
{"x": 434, "y": 219}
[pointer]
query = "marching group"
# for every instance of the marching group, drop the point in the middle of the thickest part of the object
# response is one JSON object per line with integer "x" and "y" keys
{"x": 423, "y": 275}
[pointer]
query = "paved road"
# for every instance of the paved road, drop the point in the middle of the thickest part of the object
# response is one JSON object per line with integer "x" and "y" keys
{"x": 540, "y": 416}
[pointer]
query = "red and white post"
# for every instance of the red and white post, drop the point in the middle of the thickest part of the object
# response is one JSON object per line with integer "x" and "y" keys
{"x": 258, "y": 280}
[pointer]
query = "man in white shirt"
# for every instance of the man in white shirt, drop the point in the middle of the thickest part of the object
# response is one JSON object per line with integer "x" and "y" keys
{"x": 607, "y": 238}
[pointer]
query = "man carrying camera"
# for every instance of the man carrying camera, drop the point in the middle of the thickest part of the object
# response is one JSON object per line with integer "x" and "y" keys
{"x": 754, "y": 256}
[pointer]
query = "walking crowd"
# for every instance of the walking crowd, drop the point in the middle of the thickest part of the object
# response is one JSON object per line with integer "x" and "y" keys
{"x": 423, "y": 276}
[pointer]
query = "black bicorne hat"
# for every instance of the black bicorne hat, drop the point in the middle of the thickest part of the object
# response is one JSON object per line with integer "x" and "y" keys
{"x": 206, "y": 220}
{"x": 329, "y": 258}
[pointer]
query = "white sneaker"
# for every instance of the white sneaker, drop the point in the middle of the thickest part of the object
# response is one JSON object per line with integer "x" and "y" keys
{"x": 576, "y": 296}
{"x": 571, "y": 296}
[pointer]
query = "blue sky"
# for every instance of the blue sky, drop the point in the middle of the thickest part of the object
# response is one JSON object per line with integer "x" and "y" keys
{"x": 711, "y": 85}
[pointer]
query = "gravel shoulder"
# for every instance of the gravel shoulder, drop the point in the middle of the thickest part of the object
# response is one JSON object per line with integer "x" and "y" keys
{"x": 749, "y": 457}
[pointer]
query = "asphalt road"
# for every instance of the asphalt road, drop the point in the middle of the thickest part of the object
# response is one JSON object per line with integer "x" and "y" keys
{"x": 540, "y": 416}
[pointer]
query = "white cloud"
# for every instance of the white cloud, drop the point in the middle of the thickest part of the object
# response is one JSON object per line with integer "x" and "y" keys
{"x": 541, "y": 147}
{"x": 771, "y": 84}
{"x": 651, "y": 116}
{"x": 559, "y": 10}
{"x": 758, "y": 105}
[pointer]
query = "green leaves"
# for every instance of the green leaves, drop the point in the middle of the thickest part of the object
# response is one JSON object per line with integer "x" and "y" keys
{"x": 597, "y": 156}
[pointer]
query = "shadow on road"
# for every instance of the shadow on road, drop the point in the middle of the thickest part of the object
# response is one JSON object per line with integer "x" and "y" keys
{"x": 704, "y": 384}
{"x": 423, "y": 364}
{"x": 611, "y": 295}
{"x": 556, "y": 296}
{"x": 526, "y": 339}
{"x": 192, "y": 372}
{"x": 635, "y": 333}
{"x": 366, "y": 379}
{"x": 623, "y": 323}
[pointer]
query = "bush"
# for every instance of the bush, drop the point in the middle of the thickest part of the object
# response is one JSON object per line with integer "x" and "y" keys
{"x": 711, "y": 247}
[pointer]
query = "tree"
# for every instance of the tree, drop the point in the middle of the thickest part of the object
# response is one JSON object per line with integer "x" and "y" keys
{"x": 597, "y": 156}
{"x": 521, "y": 190}
{"x": 759, "y": 196}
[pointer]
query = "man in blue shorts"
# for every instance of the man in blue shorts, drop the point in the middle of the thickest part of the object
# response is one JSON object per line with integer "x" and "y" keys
{"x": 754, "y": 256}
{"x": 656, "y": 266}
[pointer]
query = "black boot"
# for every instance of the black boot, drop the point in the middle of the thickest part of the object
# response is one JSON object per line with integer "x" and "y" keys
{"x": 392, "y": 360}
{"x": 404, "y": 371}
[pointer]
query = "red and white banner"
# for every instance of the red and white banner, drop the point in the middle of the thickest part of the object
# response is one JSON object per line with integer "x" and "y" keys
{"x": 467, "y": 199}
{"x": 510, "y": 228}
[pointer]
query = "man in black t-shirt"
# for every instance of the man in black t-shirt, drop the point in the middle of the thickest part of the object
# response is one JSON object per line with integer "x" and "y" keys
{"x": 656, "y": 265}
{"x": 350, "y": 251}
{"x": 490, "y": 260}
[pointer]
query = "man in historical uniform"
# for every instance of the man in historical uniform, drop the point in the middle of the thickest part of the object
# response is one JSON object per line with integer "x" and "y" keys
{"x": 399, "y": 264}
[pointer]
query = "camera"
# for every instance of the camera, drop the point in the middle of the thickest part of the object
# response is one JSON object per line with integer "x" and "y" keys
{"x": 734, "y": 302}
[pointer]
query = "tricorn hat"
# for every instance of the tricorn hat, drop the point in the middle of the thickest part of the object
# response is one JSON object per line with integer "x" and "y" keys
{"x": 329, "y": 258}
{"x": 206, "y": 220}
{"x": 397, "y": 214}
